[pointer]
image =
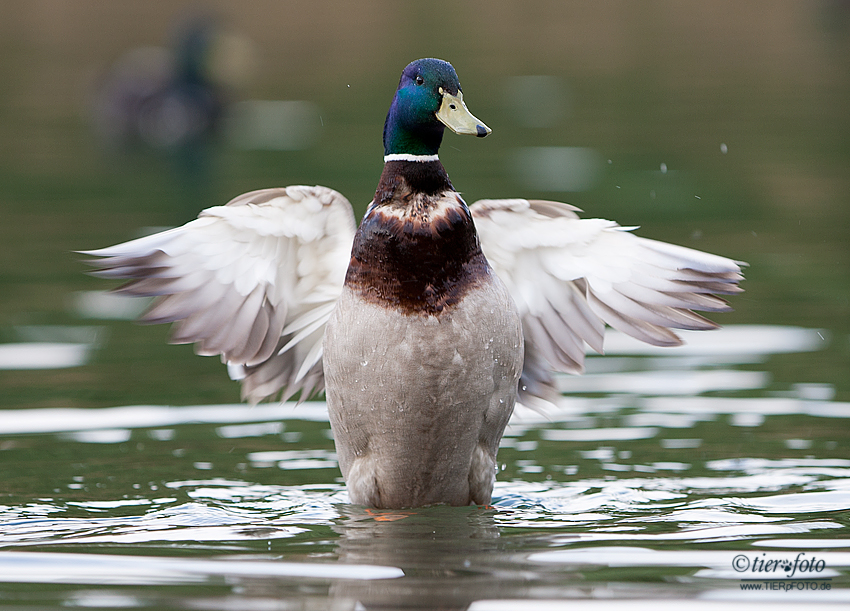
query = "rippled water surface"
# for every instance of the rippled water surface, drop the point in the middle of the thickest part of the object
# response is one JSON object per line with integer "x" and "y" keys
{"x": 676, "y": 482}
{"x": 716, "y": 473}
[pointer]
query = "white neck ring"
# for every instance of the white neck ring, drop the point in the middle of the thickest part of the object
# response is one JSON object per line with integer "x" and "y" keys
{"x": 408, "y": 157}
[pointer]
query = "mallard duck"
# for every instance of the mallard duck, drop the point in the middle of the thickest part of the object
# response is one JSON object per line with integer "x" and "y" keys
{"x": 166, "y": 99}
{"x": 424, "y": 325}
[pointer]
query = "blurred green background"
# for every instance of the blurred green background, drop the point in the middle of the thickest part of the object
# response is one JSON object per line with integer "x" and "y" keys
{"x": 722, "y": 126}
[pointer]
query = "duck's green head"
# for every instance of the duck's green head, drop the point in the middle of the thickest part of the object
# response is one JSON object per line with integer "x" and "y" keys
{"x": 427, "y": 100}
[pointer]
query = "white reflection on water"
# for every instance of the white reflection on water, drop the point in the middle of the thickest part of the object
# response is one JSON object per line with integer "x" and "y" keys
{"x": 765, "y": 406}
{"x": 40, "y": 567}
{"x": 294, "y": 459}
{"x": 803, "y": 543}
{"x": 755, "y": 603}
{"x": 237, "y": 431}
{"x": 741, "y": 340}
{"x": 678, "y": 412}
{"x": 675, "y": 382}
{"x": 50, "y": 347}
{"x": 54, "y": 420}
{"x": 599, "y": 434}
{"x": 98, "y": 436}
{"x": 43, "y": 355}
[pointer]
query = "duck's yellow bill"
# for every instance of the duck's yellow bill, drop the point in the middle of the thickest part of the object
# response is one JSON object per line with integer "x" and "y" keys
{"x": 454, "y": 114}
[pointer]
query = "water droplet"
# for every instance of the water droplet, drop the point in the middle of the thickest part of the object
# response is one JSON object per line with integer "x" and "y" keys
{"x": 723, "y": 148}
{"x": 663, "y": 168}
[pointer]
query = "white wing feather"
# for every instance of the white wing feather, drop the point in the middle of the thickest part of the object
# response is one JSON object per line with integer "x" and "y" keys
{"x": 570, "y": 276}
{"x": 254, "y": 281}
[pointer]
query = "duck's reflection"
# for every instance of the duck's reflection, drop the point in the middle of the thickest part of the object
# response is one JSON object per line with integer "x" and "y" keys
{"x": 440, "y": 549}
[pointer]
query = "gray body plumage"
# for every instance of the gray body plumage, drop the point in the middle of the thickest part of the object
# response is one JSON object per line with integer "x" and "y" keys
{"x": 419, "y": 402}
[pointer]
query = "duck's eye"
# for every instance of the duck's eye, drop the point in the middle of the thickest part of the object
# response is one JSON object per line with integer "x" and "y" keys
{"x": 452, "y": 106}
{"x": 420, "y": 80}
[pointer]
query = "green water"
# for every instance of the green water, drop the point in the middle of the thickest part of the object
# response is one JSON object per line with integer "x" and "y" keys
{"x": 130, "y": 476}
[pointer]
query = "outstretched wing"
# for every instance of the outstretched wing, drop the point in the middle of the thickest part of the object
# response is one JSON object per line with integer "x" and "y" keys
{"x": 570, "y": 276}
{"x": 254, "y": 281}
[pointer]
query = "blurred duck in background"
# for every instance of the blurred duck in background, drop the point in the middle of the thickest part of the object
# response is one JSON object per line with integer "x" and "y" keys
{"x": 174, "y": 101}
{"x": 171, "y": 98}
